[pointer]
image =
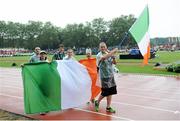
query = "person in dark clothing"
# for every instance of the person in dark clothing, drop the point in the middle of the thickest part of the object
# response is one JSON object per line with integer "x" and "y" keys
{"x": 60, "y": 54}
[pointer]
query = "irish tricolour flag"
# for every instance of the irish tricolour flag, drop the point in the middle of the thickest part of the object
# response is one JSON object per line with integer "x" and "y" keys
{"x": 55, "y": 86}
{"x": 139, "y": 31}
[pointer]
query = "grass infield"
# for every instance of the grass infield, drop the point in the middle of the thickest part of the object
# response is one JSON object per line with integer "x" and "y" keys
{"x": 124, "y": 65}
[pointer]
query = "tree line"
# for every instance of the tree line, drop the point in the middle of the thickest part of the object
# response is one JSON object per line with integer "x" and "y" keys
{"x": 48, "y": 36}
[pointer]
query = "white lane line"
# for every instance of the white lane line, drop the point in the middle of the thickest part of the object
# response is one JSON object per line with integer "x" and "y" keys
{"x": 119, "y": 117}
{"x": 170, "y": 87}
{"x": 153, "y": 90}
{"x": 122, "y": 118}
{"x": 12, "y": 75}
{"x": 11, "y": 82}
{"x": 18, "y": 97}
{"x": 14, "y": 87}
{"x": 14, "y": 80}
{"x": 146, "y": 107}
{"x": 149, "y": 75}
{"x": 119, "y": 93}
{"x": 154, "y": 98}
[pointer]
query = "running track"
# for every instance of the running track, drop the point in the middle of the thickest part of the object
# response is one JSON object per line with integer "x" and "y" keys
{"x": 140, "y": 97}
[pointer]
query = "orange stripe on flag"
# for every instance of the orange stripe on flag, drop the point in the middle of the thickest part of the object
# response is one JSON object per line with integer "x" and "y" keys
{"x": 147, "y": 55}
{"x": 92, "y": 70}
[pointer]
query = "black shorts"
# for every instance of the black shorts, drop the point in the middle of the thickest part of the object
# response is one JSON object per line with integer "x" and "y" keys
{"x": 108, "y": 91}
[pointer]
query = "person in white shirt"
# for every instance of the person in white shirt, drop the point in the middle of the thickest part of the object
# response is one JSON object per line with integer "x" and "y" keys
{"x": 70, "y": 55}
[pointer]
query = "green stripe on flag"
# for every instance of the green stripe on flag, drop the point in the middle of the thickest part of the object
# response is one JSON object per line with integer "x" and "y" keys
{"x": 41, "y": 87}
{"x": 140, "y": 27}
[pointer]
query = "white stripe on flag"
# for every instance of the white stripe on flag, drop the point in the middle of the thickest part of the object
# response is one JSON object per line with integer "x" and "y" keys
{"x": 75, "y": 83}
{"x": 143, "y": 44}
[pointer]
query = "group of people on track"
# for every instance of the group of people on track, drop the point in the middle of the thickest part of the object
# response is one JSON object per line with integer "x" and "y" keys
{"x": 105, "y": 60}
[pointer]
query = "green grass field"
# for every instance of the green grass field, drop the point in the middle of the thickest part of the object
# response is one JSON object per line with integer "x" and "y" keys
{"x": 125, "y": 65}
{"x": 7, "y": 61}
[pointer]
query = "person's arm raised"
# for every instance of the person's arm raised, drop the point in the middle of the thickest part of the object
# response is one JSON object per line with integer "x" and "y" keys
{"x": 111, "y": 53}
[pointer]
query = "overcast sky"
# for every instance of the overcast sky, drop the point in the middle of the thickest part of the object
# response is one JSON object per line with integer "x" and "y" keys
{"x": 164, "y": 14}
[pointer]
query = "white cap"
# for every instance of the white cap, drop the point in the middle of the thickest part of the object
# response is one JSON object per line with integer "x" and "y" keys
{"x": 88, "y": 50}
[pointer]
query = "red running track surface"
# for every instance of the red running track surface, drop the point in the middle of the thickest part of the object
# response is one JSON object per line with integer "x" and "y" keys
{"x": 140, "y": 97}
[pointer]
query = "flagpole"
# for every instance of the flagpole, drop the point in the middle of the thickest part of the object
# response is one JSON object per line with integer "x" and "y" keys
{"x": 124, "y": 38}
